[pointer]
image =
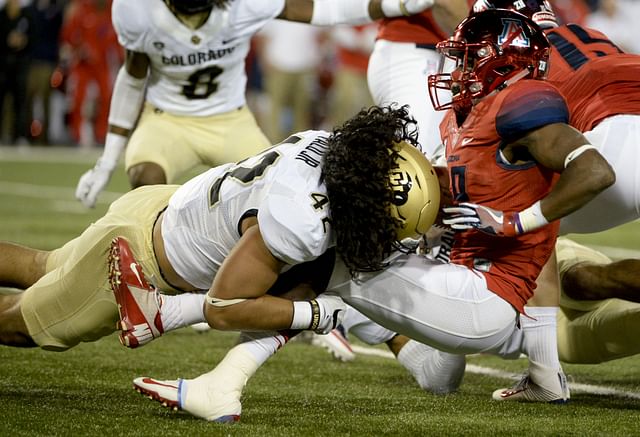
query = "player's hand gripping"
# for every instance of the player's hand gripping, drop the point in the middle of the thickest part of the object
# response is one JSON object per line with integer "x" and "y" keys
{"x": 330, "y": 312}
{"x": 471, "y": 216}
{"x": 93, "y": 182}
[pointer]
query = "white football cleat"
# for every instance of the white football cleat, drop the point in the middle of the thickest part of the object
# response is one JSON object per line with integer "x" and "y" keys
{"x": 541, "y": 384}
{"x": 172, "y": 394}
{"x": 214, "y": 396}
{"x": 336, "y": 343}
{"x": 165, "y": 392}
{"x": 201, "y": 327}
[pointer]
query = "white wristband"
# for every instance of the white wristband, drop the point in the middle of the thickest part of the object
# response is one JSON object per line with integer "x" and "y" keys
{"x": 577, "y": 152}
{"x": 302, "y": 315}
{"x": 532, "y": 218}
{"x": 113, "y": 147}
{"x": 126, "y": 101}
{"x": 332, "y": 12}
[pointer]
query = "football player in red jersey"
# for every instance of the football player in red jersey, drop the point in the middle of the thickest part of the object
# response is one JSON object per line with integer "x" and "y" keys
{"x": 601, "y": 85}
{"x": 515, "y": 168}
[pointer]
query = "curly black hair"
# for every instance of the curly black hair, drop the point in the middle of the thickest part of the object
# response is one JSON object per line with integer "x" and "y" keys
{"x": 356, "y": 172}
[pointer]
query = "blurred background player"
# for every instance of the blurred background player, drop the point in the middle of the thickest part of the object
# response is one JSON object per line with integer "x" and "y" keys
{"x": 193, "y": 52}
{"x": 88, "y": 45}
{"x": 291, "y": 54}
{"x": 405, "y": 55}
{"x": 17, "y": 32}
{"x": 48, "y": 18}
{"x": 349, "y": 91}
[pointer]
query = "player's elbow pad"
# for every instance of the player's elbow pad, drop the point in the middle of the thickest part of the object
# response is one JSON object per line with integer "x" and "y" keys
{"x": 127, "y": 98}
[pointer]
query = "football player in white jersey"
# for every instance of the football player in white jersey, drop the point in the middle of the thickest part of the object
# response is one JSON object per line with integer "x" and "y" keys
{"x": 236, "y": 233}
{"x": 179, "y": 100}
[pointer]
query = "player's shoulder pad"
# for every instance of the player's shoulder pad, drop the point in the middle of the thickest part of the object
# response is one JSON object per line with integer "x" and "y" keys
{"x": 529, "y": 105}
{"x": 130, "y": 21}
{"x": 290, "y": 228}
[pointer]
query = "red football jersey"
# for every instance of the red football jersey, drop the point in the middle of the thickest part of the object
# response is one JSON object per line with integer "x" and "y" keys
{"x": 479, "y": 174}
{"x": 597, "y": 79}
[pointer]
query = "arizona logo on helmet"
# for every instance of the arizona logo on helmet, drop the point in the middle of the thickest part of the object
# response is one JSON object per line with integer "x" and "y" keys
{"x": 513, "y": 34}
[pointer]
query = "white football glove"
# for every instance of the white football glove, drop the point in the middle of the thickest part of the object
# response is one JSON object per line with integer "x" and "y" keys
{"x": 332, "y": 309}
{"x": 95, "y": 180}
{"x": 92, "y": 183}
{"x": 397, "y": 8}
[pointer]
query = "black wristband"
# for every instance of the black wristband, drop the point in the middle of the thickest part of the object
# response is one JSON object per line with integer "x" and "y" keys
{"x": 315, "y": 315}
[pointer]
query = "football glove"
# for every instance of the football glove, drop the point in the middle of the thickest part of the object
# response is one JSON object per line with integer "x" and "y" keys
{"x": 92, "y": 183}
{"x": 330, "y": 312}
{"x": 466, "y": 216}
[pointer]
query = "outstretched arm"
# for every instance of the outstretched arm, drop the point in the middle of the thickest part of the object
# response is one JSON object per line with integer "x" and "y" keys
{"x": 331, "y": 12}
{"x": 126, "y": 101}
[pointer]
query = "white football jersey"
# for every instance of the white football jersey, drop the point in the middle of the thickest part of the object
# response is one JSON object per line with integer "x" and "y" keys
{"x": 281, "y": 186}
{"x": 197, "y": 72}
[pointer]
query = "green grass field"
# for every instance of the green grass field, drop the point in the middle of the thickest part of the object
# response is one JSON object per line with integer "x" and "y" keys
{"x": 300, "y": 392}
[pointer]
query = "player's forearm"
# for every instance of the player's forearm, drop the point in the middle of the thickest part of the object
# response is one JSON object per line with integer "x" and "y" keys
{"x": 265, "y": 313}
{"x": 353, "y": 12}
{"x": 580, "y": 182}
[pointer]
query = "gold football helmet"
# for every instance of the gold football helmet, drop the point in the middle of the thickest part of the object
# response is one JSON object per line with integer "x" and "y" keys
{"x": 416, "y": 192}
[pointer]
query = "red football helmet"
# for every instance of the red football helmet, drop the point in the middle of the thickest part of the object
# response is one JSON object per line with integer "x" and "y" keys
{"x": 491, "y": 50}
{"x": 540, "y": 11}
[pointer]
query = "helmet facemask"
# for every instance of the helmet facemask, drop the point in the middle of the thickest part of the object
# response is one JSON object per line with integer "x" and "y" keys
{"x": 487, "y": 61}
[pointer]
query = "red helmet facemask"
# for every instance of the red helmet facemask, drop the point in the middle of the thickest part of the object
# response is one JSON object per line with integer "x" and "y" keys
{"x": 491, "y": 50}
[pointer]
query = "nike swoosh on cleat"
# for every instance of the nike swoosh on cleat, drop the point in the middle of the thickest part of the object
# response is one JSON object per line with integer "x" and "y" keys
{"x": 154, "y": 382}
{"x": 134, "y": 267}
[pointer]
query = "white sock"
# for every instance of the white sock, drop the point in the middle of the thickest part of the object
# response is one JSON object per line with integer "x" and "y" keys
{"x": 435, "y": 371}
{"x": 262, "y": 345}
{"x": 182, "y": 310}
{"x": 539, "y": 336}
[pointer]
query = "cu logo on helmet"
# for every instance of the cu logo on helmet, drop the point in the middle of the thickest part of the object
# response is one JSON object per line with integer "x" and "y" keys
{"x": 513, "y": 33}
{"x": 401, "y": 184}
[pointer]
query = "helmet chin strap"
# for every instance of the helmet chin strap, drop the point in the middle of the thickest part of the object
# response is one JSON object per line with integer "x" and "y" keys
{"x": 516, "y": 77}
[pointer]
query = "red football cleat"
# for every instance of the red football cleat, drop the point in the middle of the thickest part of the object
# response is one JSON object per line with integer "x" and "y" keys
{"x": 138, "y": 301}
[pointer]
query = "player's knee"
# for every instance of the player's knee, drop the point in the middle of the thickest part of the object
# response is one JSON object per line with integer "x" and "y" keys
{"x": 13, "y": 330}
{"x": 219, "y": 318}
{"x": 146, "y": 173}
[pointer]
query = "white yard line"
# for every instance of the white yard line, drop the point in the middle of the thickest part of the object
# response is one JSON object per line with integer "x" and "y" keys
{"x": 480, "y": 370}
{"x": 61, "y": 155}
{"x": 50, "y": 193}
